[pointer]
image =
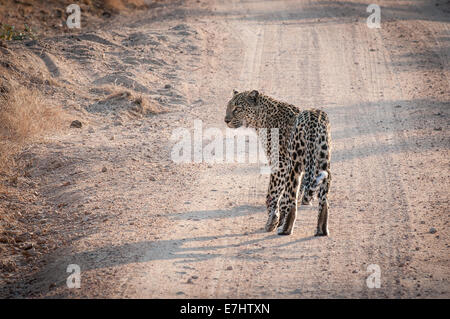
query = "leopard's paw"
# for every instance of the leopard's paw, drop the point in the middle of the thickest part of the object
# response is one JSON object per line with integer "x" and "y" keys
{"x": 272, "y": 222}
{"x": 284, "y": 229}
{"x": 321, "y": 232}
{"x": 281, "y": 231}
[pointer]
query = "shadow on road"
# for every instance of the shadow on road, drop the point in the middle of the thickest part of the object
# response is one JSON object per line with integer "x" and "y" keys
{"x": 319, "y": 12}
{"x": 180, "y": 250}
{"x": 237, "y": 211}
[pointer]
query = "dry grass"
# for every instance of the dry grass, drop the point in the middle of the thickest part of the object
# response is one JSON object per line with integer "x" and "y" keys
{"x": 24, "y": 116}
{"x": 123, "y": 5}
{"x": 143, "y": 106}
{"x": 135, "y": 103}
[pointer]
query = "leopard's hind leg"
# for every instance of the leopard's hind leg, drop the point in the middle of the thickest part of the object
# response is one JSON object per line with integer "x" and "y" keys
{"x": 323, "y": 178}
{"x": 292, "y": 196}
{"x": 293, "y": 191}
{"x": 276, "y": 186}
{"x": 322, "y": 220}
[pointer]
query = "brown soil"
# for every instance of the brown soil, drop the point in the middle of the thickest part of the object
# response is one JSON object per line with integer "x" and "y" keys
{"x": 108, "y": 197}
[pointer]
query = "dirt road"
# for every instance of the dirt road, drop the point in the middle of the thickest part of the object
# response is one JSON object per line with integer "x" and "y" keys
{"x": 166, "y": 230}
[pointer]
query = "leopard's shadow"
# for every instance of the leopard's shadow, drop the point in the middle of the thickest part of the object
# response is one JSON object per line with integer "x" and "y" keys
{"x": 183, "y": 250}
{"x": 243, "y": 210}
{"x": 237, "y": 211}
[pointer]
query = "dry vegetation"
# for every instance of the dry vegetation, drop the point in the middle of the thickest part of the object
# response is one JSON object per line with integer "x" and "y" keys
{"x": 135, "y": 103}
{"x": 24, "y": 116}
{"x": 27, "y": 111}
{"x": 120, "y": 5}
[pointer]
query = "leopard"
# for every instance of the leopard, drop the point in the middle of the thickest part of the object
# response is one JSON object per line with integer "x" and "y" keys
{"x": 300, "y": 168}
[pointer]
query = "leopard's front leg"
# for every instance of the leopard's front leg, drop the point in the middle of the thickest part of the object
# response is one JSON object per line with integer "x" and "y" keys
{"x": 276, "y": 186}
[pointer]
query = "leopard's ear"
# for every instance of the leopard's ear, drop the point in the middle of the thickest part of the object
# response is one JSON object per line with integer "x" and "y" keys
{"x": 235, "y": 92}
{"x": 253, "y": 96}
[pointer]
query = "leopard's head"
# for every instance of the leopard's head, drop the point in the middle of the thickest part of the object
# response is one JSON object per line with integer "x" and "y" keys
{"x": 242, "y": 109}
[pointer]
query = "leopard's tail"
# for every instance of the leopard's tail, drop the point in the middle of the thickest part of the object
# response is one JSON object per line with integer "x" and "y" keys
{"x": 312, "y": 187}
{"x": 323, "y": 175}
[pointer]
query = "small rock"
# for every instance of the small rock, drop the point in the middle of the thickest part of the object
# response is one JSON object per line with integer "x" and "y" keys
{"x": 433, "y": 230}
{"x": 229, "y": 268}
{"x": 152, "y": 178}
{"x": 189, "y": 281}
{"x": 8, "y": 265}
{"x": 76, "y": 124}
{"x": 194, "y": 277}
{"x": 104, "y": 169}
{"x": 30, "y": 252}
{"x": 21, "y": 238}
{"x": 167, "y": 86}
{"x": 27, "y": 246}
{"x": 180, "y": 293}
{"x": 91, "y": 130}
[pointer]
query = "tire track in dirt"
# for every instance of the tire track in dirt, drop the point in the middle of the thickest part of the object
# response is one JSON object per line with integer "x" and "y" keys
{"x": 197, "y": 232}
{"x": 308, "y": 65}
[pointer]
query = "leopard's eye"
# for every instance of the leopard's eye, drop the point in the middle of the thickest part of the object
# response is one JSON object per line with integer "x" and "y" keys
{"x": 236, "y": 109}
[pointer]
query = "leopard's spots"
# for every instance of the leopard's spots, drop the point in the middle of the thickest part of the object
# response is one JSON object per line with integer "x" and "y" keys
{"x": 304, "y": 155}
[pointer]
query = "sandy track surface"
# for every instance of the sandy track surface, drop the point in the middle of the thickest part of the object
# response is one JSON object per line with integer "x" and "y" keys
{"x": 148, "y": 227}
